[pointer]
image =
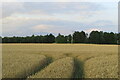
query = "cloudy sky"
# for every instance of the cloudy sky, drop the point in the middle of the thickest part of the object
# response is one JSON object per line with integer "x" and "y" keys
{"x": 27, "y": 18}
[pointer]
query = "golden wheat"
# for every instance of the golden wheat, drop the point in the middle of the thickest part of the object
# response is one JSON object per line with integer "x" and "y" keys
{"x": 102, "y": 67}
{"x": 62, "y": 68}
{"x": 99, "y": 61}
{"x": 21, "y": 66}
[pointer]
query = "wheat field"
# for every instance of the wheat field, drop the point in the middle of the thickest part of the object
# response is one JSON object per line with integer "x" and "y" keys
{"x": 62, "y": 68}
{"x": 60, "y": 60}
{"x": 21, "y": 66}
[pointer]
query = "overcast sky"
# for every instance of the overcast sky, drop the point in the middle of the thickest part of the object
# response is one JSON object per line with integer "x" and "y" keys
{"x": 39, "y": 18}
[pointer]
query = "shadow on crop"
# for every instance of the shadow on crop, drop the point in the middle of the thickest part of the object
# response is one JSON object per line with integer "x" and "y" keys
{"x": 79, "y": 69}
{"x": 49, "y": 60}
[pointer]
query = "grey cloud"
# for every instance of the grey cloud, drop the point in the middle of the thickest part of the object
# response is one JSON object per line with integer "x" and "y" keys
{"x": 62, "y": 7}
{"x": 64, "y": 27}
{"x": 10, "y": 8}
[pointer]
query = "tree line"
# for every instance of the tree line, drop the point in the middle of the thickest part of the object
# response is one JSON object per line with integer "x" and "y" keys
{"x": 95, "y": 37}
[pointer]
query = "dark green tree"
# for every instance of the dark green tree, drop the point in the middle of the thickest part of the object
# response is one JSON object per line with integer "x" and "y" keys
{"x": 51, "y": 38}
{"x": 79, "y": 37}
{"x": 110, "y": 38}
{"x": 101, "y": 34}
{"x": 82, "y": 37}
{"x": 118, "y": 38}
{"x": 94, "y": 37}
{"x": 0, "y": 39}
{"x": 69, "y": 38}
{"x": 60, "y": 39}
{"x": 76, "y": 37}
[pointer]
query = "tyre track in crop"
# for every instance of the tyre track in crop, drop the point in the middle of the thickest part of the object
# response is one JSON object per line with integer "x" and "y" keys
{"x": 78, "y": 70}
{"x": 62, "y": 68}
{"x": 49, "y": 60}
{"x": 79, "y": 67}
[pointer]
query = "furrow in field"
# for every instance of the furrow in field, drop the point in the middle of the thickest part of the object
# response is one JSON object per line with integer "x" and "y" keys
{"x": 62, "y": 68}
